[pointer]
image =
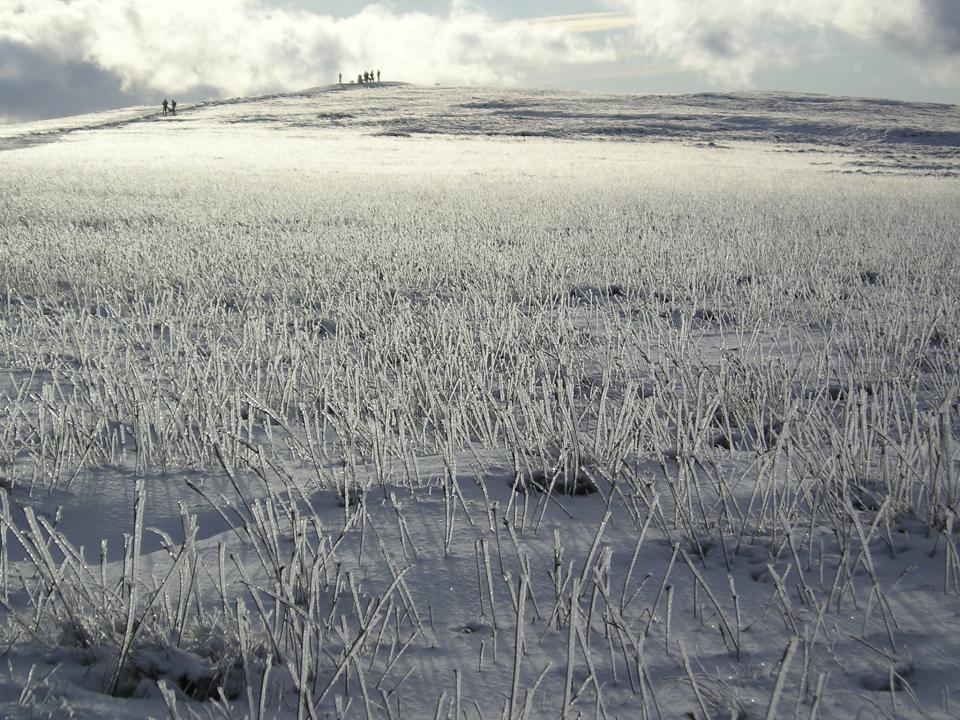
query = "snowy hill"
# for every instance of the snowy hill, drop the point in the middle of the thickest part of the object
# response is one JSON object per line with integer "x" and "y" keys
{"x": 402, "y": 402}
{"x": 898, "y": 135}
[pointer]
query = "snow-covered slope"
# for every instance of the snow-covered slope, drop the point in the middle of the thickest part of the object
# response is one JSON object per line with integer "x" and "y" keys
{"x": 897, "y": 135}
{"x": 283, "y": 382}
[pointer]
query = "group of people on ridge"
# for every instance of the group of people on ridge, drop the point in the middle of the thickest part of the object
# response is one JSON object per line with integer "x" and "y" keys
{"x": 367, "y": 76}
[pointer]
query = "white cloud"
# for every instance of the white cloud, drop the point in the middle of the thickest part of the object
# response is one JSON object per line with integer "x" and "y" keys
{"x": 589, "y": 22}
{"x": 731, "y": 40}
{"x": 240, "y": 47}
{"x": 67, "y": 56}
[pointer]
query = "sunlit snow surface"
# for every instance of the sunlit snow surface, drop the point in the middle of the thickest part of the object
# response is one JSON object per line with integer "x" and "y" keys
{"x": 376, "y": 246}
{"x": 892, "y": 135}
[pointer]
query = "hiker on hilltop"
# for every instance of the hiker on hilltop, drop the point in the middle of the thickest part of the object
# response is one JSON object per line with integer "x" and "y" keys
{"x": 340, "y": 78}
{"x": 173, "y": 107}
{"x": 378, "y": 76}
{"x": 165, "y": 104}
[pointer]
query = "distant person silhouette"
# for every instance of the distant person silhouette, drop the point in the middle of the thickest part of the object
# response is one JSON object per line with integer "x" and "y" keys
{"x": 378, "y": 76}
{"x": 173, "y": 107}
{"x": 165, "y": 104}
{"x": 340, "y": 78}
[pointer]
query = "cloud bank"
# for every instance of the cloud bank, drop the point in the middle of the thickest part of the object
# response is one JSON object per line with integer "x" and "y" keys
{"x": 64, "y": 56}
{"x": 732, "y": 40}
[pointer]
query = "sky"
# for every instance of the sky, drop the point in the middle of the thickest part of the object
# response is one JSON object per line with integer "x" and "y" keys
{"x": 63, "y": 57}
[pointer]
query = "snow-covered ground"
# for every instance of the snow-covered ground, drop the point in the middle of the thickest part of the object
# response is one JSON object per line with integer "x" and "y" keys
{"x": 883, "y": 135}
{"x": 285, "y": 378}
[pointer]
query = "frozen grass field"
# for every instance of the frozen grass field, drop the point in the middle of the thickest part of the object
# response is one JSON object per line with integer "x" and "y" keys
{"x": 406, "y": 402}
